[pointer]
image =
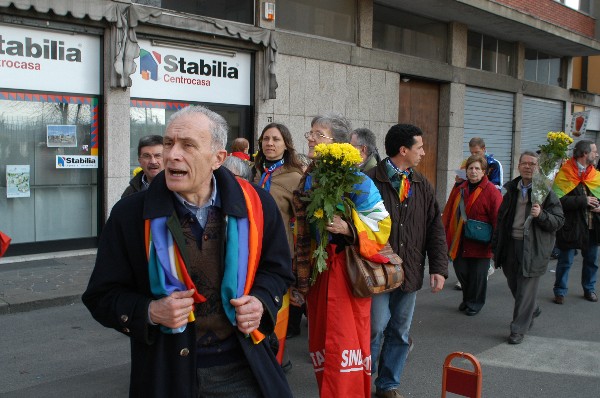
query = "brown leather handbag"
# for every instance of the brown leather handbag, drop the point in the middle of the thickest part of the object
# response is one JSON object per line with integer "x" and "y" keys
{"x": 368, "y": 277}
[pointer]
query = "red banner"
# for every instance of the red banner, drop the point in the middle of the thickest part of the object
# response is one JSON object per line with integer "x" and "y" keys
{"x": 339, "y": 337}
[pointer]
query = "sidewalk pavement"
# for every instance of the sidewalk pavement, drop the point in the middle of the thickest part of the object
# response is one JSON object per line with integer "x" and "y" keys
{"x": 44, "y": 280}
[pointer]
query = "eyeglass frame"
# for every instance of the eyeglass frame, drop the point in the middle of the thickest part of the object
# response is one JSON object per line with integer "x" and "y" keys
{"x": 150, "y": 156}
{"x": 530, "y": 164}
{"x": 312, "y": 134}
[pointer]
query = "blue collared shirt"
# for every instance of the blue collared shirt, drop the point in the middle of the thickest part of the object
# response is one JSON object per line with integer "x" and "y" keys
{"x": 201, "y": 212}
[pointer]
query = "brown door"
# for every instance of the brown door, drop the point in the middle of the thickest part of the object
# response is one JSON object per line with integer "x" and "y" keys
{"x": 419, "y": 105}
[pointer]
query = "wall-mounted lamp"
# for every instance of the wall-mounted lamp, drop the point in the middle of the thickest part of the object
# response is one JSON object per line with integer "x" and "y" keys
{"x": 193, "y": 46}
{"x": 269, "y": 11}
{"x": 405, "y": 79}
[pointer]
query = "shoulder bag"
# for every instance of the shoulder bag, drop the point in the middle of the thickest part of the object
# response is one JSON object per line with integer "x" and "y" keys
{"x": 478, "y": 231}
{"x": 368, "y": 277}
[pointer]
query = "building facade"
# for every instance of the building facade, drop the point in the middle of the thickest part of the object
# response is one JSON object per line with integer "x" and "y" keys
{"x": 82, "y": 81}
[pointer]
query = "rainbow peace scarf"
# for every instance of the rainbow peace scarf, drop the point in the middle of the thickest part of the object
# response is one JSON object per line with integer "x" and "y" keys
{"x": 568, "y": 178}
{"x": 168, "y": 272}
{"x": 453, "y": 221}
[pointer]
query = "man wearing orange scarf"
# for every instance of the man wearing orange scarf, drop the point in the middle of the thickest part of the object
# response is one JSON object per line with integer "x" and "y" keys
{"x": 577, "y": 184}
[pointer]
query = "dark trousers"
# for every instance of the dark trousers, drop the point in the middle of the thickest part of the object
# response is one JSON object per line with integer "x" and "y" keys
{"x": 523, "y": 289}
{"x": 232, "y": 380}
{"x": 472, "y": 274}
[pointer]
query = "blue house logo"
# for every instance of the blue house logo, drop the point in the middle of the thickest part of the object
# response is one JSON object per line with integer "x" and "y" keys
{"x": 60, "y": 161}
{"x": 149, "y": 61}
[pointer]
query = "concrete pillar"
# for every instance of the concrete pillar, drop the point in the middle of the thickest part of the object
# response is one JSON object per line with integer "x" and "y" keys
{"x": 450, "y": 139}
{"x": 116, "y": 138}
{"x": 365, "y": 24}
{"x": 520, "y": 61}
{"x": 517, "y": 131}
{"x": 457, "y": 44}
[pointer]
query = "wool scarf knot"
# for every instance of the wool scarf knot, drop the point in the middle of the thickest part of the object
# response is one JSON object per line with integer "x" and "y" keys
{"x": 265, "y": 179}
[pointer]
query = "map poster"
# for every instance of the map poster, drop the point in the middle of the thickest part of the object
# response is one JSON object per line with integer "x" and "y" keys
{"x": 17, "y": 181}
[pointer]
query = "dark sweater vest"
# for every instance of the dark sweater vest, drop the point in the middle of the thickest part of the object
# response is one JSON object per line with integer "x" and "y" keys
{"x": 216, "y": 341}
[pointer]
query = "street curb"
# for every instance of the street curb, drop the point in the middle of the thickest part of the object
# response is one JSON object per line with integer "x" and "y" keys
{"x": 6, "y": 308}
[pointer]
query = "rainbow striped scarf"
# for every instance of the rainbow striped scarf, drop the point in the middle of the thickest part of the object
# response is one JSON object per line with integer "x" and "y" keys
{"x": 244, "y": 236}
{"x": 568, "y": 178}
{"x": 453, "y": 220}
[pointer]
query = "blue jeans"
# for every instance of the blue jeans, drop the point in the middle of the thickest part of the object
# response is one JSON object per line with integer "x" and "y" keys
{"x": 588, "y": 273}
{"x": 391, "y": 316}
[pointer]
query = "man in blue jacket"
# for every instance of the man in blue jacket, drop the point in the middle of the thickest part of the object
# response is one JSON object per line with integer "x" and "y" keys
{"x": 193, "y": 270}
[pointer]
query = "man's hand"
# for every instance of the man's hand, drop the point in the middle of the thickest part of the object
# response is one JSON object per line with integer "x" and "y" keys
{"x": 593, "y": 202}
{"x": 536, "y": 209}
{"x": 248, "y": 313}
{"x": 172, "y": 311}
{"x": 437, "y": 282}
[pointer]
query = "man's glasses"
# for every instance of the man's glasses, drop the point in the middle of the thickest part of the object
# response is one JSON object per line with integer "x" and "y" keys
{"x": 148, "y": 156}
{"x": 311, "y": 135}
{"x": 529, "y": 164}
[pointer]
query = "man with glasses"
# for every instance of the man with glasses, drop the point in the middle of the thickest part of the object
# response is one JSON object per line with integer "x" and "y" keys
{"x": 150, "y": 159}
{"x": 523, "y": 241}
{"x": 577, "y": 184}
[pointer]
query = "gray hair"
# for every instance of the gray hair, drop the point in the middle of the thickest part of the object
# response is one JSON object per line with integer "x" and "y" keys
{"x": 528, "y": 153}
{"x": 340, "y": 126}
{"x": 582, "y": 148}
{"x": 367, "y": 138}
{"x": 238, "y": 167}
{"x": 219, "y": 128}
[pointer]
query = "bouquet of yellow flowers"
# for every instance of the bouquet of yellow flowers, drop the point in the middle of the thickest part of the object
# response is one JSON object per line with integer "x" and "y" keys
{"x": 552, "y": 155}
{"x": 334, "y": 174}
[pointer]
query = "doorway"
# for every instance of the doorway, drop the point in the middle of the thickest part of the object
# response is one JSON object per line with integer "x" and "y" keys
{"x": 419, "y": 105}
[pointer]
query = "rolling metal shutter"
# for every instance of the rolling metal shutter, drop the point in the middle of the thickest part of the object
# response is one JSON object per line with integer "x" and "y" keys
{"x": 539, "y": 117}
{"x": 489, "y": 115}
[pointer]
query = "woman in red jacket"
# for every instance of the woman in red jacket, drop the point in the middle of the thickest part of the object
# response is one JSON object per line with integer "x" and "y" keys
{"x": 471, "y": 258}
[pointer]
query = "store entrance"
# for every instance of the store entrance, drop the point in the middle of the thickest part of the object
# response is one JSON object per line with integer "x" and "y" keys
{"x": 150, "y": 117}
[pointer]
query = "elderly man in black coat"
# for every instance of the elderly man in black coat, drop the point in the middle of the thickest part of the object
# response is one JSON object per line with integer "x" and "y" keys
{"x": 220, "y": 352}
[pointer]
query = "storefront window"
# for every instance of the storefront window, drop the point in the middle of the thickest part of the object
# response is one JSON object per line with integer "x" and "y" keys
{"x": 150, "y": 117}
{"x": 399, "y": 31}
{"x": 335, "y": 19}
{"x": 48, "y": 166}
{"x": 488, "y": 53}
{"x": 231, "y": 10}
{"x": 542, "y": 68}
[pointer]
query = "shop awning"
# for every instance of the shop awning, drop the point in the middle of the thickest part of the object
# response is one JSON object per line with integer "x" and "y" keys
{"x": 124, "y": 17}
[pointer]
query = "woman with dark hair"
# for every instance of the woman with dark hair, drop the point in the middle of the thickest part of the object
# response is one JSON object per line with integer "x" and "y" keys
{"x": 279, "y": 171}
{"x": 480, "y": 201}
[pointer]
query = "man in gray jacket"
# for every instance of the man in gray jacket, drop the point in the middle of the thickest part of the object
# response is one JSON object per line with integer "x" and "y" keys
{"x": 523, "y": 242}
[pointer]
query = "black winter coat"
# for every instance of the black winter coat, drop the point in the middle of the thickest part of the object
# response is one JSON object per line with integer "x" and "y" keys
{"x": 538, "y": 241}
{"x": 575, "y": 233}
{"x": 118, "y": 294}
{"x": 417, "y": 229}
{"x": 135, "y": 185}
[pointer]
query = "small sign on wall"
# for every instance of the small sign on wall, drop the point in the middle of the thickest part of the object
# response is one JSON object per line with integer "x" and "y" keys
{"x": 17, "y": 181}
{"x": 579, "y": 123}
{"x": 76, "y": 162}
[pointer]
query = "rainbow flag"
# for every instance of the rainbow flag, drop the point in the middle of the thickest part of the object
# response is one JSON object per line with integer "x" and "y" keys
{"x": 371, "y": 219}
{"x": 568, "y": 178}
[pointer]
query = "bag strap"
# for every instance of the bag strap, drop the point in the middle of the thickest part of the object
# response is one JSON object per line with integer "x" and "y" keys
{"x": 463, "y": 213}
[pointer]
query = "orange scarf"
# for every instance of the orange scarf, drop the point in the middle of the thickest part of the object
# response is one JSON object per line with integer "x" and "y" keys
{"x": 453, "y": 221}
